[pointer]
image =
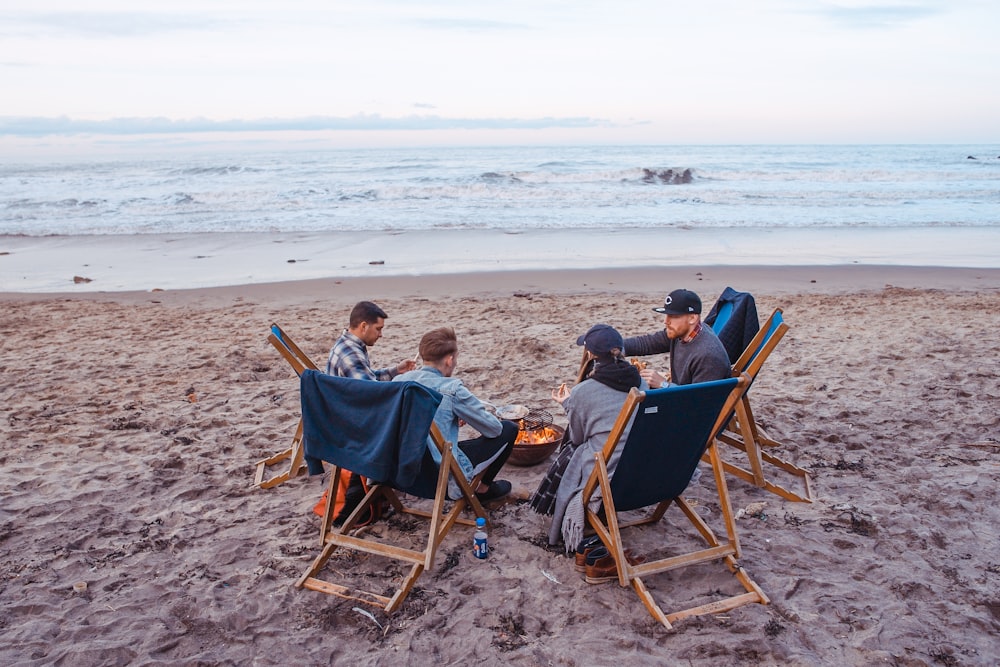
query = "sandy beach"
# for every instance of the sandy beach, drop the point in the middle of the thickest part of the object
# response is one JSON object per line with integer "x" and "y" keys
{"x": 132, "y": 421}
{"x": 125, "y": 262}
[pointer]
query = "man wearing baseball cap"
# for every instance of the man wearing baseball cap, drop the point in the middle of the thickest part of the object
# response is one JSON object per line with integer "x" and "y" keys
{"x": 696, "y": 353}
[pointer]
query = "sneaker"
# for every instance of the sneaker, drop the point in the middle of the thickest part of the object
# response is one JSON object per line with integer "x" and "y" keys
{"x": 498, "y": 489}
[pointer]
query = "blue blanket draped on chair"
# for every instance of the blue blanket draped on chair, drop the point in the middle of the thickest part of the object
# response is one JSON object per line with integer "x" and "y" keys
{"x": 376, "y": 429}
{"x": 734, "y": 320}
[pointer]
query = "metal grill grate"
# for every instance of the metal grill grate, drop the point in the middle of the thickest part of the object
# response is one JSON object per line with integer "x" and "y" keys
{"x": 536, "y": 418}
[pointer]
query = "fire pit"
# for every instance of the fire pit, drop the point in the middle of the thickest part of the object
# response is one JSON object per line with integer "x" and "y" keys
{"x": 536, "y": 440}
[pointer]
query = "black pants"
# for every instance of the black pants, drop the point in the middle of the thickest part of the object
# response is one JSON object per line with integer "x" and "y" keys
{"x": 492, "y": 452}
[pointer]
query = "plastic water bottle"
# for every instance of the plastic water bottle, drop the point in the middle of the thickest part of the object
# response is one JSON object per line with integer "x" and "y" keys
{"x": 480, "y": 548}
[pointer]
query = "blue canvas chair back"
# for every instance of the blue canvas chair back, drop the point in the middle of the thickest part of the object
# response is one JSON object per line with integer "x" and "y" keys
{"x": 670, "y": 433}
{"x": 279, "y": 334}
{"x": 289, "y": 350}
{"x": 775, "y": 323}
{"x": 725, "y": 312}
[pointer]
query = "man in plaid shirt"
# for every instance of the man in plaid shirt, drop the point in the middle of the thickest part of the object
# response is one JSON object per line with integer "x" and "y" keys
{"x": 349, "y": 356}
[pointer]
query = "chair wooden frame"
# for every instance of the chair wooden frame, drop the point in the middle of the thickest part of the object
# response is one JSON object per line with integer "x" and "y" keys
{"x": 608, "y": 524}
{"x": 441, "y": 522}
{"x": 585, "y": 366}
{"x": 299, "y": 361}
{"x": 745, "y": 434}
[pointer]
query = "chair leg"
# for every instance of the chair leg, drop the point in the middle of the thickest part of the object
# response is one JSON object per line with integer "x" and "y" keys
{"x": 715, "y": 552}
{"x": 717, "y": 607}
{"x": 310, "y": 581}
{"x": 373, "y": 599}
{"x": 647, "y": 600}
{"x": 747, "y": 582}
{"x": 753, "y": 594}
{"x": 747, "y": 426}
{"x": 769, "y": 486}
{"x": 352, "y": 540}
{"x": 748, "y": 438}
{"x": 614, "y": 531}
{"x": 262, "y": 466}
{"x": 295, "y": 468}
{"x": 404, "y": 589}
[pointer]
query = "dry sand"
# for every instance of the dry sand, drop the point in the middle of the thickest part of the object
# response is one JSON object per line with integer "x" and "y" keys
{"x": 132, "y": 422}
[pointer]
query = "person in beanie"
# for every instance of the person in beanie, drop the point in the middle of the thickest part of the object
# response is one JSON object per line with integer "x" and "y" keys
{"x": 696, "y": 353}
{"x": 592, "y": 407}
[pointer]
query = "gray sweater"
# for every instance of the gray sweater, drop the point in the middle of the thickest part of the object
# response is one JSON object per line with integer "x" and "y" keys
{"x": 702, "y": 360}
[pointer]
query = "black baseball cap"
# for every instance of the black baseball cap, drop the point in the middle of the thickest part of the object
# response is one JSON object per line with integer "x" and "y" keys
{"x": 600, "y": 339}
{"x": 680, "y": 302}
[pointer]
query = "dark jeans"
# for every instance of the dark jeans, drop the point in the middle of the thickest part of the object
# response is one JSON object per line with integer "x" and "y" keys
{"x": 482, "y": 449}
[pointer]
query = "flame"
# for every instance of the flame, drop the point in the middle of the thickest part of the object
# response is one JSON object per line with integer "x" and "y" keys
{"x": 537, "y": 436}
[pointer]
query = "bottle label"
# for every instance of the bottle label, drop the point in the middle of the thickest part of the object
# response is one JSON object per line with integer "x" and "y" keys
{"x": 479, "y": 547}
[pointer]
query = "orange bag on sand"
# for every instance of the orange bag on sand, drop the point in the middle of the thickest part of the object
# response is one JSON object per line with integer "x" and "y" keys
{"x": 350, "y": 491}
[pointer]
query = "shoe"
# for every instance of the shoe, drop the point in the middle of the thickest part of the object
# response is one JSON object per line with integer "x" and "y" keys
{"x": 604, "y": 569}
{"x": 585, "y": 548}
{"x": 498, "y": 489}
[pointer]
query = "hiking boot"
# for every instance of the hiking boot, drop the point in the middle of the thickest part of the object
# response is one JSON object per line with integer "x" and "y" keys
{"x": 585, "y": 548}
{"x": 604, "y": 569}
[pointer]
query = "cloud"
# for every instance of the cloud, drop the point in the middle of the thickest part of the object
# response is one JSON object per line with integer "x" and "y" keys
{"x": 878, "y": 17}
{"x": 102, "y": 25}
{"x": 39, "y": 127}
{"x": 467, "y": 25}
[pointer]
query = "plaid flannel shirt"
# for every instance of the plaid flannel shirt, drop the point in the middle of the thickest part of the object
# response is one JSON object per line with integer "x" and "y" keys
{"x": 349, "y": 358}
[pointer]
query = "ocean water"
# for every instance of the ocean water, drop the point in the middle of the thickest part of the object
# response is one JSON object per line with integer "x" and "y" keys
{"x": 557, "y": 188}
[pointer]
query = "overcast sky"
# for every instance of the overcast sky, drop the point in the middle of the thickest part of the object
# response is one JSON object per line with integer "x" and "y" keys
{"x": 413, "y": 72}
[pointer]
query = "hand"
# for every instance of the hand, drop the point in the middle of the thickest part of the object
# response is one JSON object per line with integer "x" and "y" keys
{"x": 561, "y": 394}
{"x": 405, "y": 366}
{"x": 653, "y": 379}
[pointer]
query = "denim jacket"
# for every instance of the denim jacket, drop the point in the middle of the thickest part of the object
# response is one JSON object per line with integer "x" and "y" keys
{"x": 458, "y": 403}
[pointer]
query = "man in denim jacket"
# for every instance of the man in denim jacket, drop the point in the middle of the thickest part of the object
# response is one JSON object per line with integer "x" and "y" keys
{"x": 439, "y": 351}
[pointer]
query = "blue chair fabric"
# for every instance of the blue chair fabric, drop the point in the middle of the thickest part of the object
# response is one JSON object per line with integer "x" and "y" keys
{"x": 667, "y": 439}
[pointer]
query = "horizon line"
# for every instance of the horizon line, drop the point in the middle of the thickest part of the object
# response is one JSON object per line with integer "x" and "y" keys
{"x": 39, "y": 126}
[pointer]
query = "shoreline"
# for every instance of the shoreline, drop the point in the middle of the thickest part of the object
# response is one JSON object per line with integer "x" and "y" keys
{"x": 189, "y": 261}
{"x": 705, "y": 280}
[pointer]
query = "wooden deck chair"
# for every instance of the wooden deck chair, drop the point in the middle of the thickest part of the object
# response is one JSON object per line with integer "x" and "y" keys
{"x": 431, "y": 483}
{"x": 673, "y": 427}
{"x": 298, "y": 360}
{"x": 745, "y": 434}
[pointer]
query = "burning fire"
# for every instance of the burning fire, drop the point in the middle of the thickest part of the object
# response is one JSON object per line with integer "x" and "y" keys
{"x": 537, "y": 436}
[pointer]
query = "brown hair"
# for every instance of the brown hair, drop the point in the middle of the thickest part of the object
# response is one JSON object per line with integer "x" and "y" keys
{"x": 438, "y": 344}
{"x": 365, "y": 311}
